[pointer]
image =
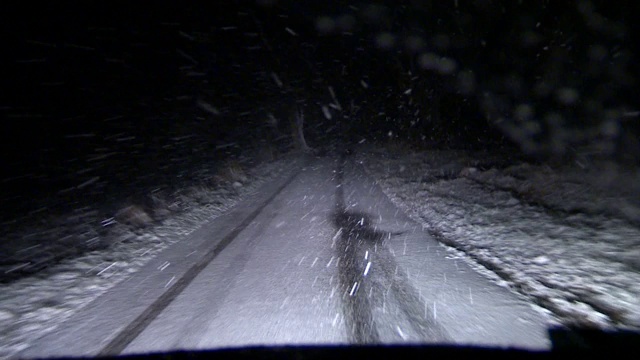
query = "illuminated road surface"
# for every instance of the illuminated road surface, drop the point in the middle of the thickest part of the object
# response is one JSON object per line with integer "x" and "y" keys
{"x": 328, "y": 259}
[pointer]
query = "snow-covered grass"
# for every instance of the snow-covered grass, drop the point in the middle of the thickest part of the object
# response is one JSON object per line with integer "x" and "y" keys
{"x": 45, "y": 237}
{"x": 34, "y": 305}
{"x": 566, "y": 237}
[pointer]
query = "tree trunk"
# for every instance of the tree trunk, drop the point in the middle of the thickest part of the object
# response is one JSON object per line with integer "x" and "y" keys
{"x": 297, "y": 128}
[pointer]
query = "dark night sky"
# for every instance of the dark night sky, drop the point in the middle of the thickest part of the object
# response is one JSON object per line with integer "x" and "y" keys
{"x": 108, "y": 97}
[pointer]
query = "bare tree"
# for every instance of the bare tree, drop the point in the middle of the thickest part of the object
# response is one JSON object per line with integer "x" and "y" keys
{"x": 297, "y": 129}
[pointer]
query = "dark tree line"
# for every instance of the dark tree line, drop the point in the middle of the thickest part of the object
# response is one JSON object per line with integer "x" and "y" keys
{"x": 555, "y": 78}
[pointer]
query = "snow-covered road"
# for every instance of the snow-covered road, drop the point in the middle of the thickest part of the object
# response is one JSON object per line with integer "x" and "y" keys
{"x": 322, "y": 257}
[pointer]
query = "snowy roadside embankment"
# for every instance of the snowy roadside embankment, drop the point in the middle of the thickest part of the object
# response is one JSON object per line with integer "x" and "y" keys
{"x": 569, "y": 245}
{"x": 33, "y": 306}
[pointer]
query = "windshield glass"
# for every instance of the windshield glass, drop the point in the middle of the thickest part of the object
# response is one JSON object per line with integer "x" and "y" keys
{"x": 270, "y": 172}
